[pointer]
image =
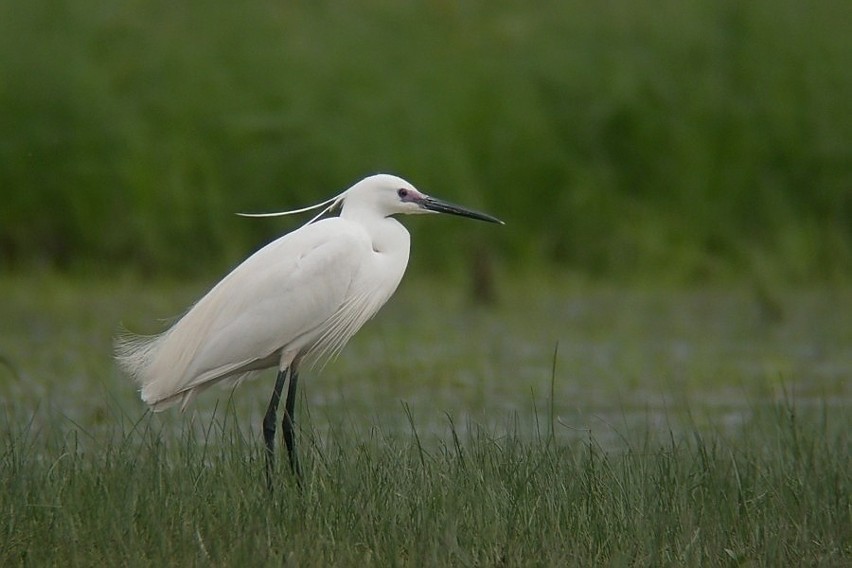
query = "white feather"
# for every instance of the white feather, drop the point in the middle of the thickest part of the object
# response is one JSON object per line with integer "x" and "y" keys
{"x": 305, "y": 294}
{"x": 302, "y": 296}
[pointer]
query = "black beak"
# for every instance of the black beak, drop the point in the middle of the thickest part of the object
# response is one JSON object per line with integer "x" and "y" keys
{"x": 439, "y": 206}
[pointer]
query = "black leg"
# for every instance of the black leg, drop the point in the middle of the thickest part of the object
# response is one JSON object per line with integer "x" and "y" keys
{"x": 288, "y": 423}
{"x": 270, "y": 421}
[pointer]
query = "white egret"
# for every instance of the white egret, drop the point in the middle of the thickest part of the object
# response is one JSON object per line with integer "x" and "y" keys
{"x": 301, "y": 297}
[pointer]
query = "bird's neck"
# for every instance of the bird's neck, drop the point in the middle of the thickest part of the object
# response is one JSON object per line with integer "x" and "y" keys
{"x": 388, "y": 234}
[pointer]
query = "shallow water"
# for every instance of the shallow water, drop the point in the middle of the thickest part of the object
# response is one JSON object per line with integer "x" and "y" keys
{"x": 620, "y": 361}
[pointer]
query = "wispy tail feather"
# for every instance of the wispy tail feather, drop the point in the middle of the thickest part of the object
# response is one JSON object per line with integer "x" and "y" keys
{"x": 135, "y": 355}
{"x": 139, "y": 356}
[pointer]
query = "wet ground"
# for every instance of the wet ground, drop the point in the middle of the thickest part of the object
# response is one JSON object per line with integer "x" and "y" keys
{"x": 604, "y": 361}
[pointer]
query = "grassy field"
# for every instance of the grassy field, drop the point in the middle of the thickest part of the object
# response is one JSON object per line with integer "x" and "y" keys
{"x": 579, "y": 425}
{"x": 680, "y": 395}
{"x": 776, "y": 493}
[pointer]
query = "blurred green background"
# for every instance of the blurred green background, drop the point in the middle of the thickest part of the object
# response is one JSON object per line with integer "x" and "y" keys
{"x": 682, "y": 140}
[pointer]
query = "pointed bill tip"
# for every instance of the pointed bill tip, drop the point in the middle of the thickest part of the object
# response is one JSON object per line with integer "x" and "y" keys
{"x": 440, "y": 206}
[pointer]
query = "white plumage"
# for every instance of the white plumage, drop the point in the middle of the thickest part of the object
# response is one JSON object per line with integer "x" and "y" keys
{"x": 302, "y": 296}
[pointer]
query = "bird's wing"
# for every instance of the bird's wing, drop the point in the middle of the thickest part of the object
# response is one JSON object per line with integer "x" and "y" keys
{"x": 277, "y": 299}
{"x": 365, "y": 298}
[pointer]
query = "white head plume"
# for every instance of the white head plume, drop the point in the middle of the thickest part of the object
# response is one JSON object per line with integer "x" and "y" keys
{"x": 328, "y": 205}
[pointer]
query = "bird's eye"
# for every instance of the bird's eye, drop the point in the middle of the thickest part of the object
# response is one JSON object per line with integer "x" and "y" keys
{"x": 402, "y": 193}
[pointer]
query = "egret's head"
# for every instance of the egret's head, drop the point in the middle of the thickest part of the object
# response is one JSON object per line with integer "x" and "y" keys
{"x": 391, "y": 195}
{"x": 383, "y": 195}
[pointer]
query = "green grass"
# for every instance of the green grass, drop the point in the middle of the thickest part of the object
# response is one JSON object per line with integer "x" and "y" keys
{"x": 667, "y": 427}
{"x": 694, "y": 139}
{"x": 776, "y": 493}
